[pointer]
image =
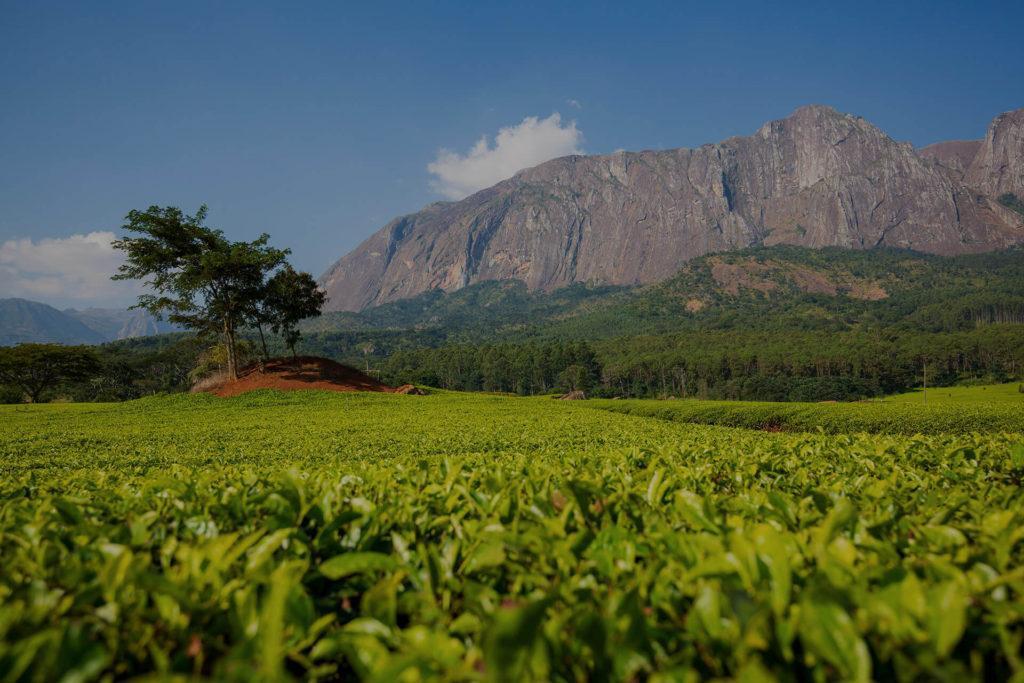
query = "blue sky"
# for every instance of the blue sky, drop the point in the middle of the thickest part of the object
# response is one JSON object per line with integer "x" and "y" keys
{"x": 316, "y": 122}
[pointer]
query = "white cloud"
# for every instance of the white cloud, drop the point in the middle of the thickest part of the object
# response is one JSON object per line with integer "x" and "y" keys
{"x": 531, "y": 142}
{"x": 575, "y": 104}
{"x": 68, "y": 271}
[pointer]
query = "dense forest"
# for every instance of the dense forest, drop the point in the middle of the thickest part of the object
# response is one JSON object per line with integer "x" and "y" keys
{"x": 760, "y": 365}
{"x": 779, "y": 323}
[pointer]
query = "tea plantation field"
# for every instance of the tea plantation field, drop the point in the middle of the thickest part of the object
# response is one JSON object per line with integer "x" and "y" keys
{"x": 1011, "y": 393}
{"x": 461, "y": 538}
{"x": 896, "y": 416}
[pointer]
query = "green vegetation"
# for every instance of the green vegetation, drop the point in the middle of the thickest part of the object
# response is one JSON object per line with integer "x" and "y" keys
{"x": 33, "y": 370}
{"x": 732, "y": 365}
{"x": 461, "y": 537}
{"x": 204, "y": 282}
{"x": 778, "y": 324}
{"x": 780, "y": 288}
{"x": 800, "y": 325}
{"x": 879, "y": 417}
{"x": 1011, "y": 393}
{"x": 1012, "y": 202}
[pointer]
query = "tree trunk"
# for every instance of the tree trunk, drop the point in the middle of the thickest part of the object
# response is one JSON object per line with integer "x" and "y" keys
{"x": 263, "y": 342}
{"x": 229, "y": 343}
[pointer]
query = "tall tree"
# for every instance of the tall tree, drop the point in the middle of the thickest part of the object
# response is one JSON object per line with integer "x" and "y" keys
{"x": 200, "y": 279}
{"x": 37, "y": 368}
{"x": 290, "y": 297}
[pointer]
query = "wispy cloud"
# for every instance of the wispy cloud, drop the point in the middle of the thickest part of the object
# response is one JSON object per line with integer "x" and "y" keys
{"x": 64, "y": 271}
{"x": 531, "y": 142}
{"x": 575, "y": 104}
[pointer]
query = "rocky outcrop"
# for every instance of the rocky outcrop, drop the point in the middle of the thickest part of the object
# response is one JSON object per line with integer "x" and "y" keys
{"x": 954, "y": 155}
{"x": 817, "y": 178}
{"x": 998, "y": 167}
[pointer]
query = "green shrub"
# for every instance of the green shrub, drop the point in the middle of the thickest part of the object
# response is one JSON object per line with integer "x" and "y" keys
{"x": 1012, "y": 202}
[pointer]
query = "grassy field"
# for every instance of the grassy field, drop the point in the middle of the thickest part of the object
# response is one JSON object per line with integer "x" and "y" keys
{"x": 874, "y": 417}
{"x": 986, "y": 393}
{"x": 459, "y": 537}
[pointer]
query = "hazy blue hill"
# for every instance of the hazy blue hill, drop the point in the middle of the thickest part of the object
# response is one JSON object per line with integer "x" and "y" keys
{"x": 23, "y": 321}
{"x": 30, "y": 321}
{"x": 118, "y": 323}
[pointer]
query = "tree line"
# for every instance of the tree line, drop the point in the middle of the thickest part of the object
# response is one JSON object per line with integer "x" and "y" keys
{"x": 770, "y": 366}
{"x": 754, "y": 365}
{"x": 525, "y": 369}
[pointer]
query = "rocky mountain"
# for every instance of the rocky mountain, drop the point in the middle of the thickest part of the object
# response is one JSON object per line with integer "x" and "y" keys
{"x": 24, "y": 321}
{"x": 998, "y": 167}
{"x": 955, "y": 155}
{"x": 816, "y": 178}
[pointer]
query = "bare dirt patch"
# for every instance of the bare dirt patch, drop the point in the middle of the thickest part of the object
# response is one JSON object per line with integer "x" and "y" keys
{"x": 813, "y": 282}
{"x": 748, "y": 275}
{"x": 286, "y": 374}
{"x": 869, "y": 291}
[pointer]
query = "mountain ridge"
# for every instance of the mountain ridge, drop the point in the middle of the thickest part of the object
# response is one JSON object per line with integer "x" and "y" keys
{"x": 816, "y": 178}
{"x": 26, "y": 321}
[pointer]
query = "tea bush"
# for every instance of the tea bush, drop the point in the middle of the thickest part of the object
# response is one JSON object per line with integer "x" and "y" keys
{"x": 452, "y": 537}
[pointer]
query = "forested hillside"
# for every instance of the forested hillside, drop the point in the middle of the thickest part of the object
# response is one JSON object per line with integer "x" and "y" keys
{"x": 764, "y": 288}
{"x": 781, "y": 323}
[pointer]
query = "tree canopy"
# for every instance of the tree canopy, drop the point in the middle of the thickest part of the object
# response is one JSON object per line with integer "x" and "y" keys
{"x": 37, "y": 368}
{"x": 291, "y": 297}
{"x": 201, "y": 280}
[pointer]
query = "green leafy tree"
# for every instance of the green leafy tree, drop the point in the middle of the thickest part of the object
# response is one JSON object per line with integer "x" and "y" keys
{"x": 199, "y": 279}
{"x": 289, "y": 297}
{"x": 575, "y": 378}
{"x": 37, "y": 368}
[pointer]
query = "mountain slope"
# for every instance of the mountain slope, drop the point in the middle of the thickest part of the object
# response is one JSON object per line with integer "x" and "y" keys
{"x": 24, "y": 321}
{"x": 781, "y": 288}
{"x": 118, "y": 323}
{"x": 29, "y": 321}
{"x": 817, "y": 178}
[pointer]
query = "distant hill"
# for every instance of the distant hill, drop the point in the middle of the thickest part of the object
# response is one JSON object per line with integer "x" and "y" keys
{"x": 30, "y": 321}
{"x": 116, "y": 323}
{"x": 24, "y": 321}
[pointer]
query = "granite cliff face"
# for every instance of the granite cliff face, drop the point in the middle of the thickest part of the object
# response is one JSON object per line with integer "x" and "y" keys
{"x": 817, "y": 178}
{"x": 998, "y": 167}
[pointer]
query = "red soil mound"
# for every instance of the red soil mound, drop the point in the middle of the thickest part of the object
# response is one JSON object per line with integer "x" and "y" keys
{"x": 304, "y": 372}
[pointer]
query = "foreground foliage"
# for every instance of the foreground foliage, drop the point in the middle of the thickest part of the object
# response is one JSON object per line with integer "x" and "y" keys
{"x": 465, "y": 538}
